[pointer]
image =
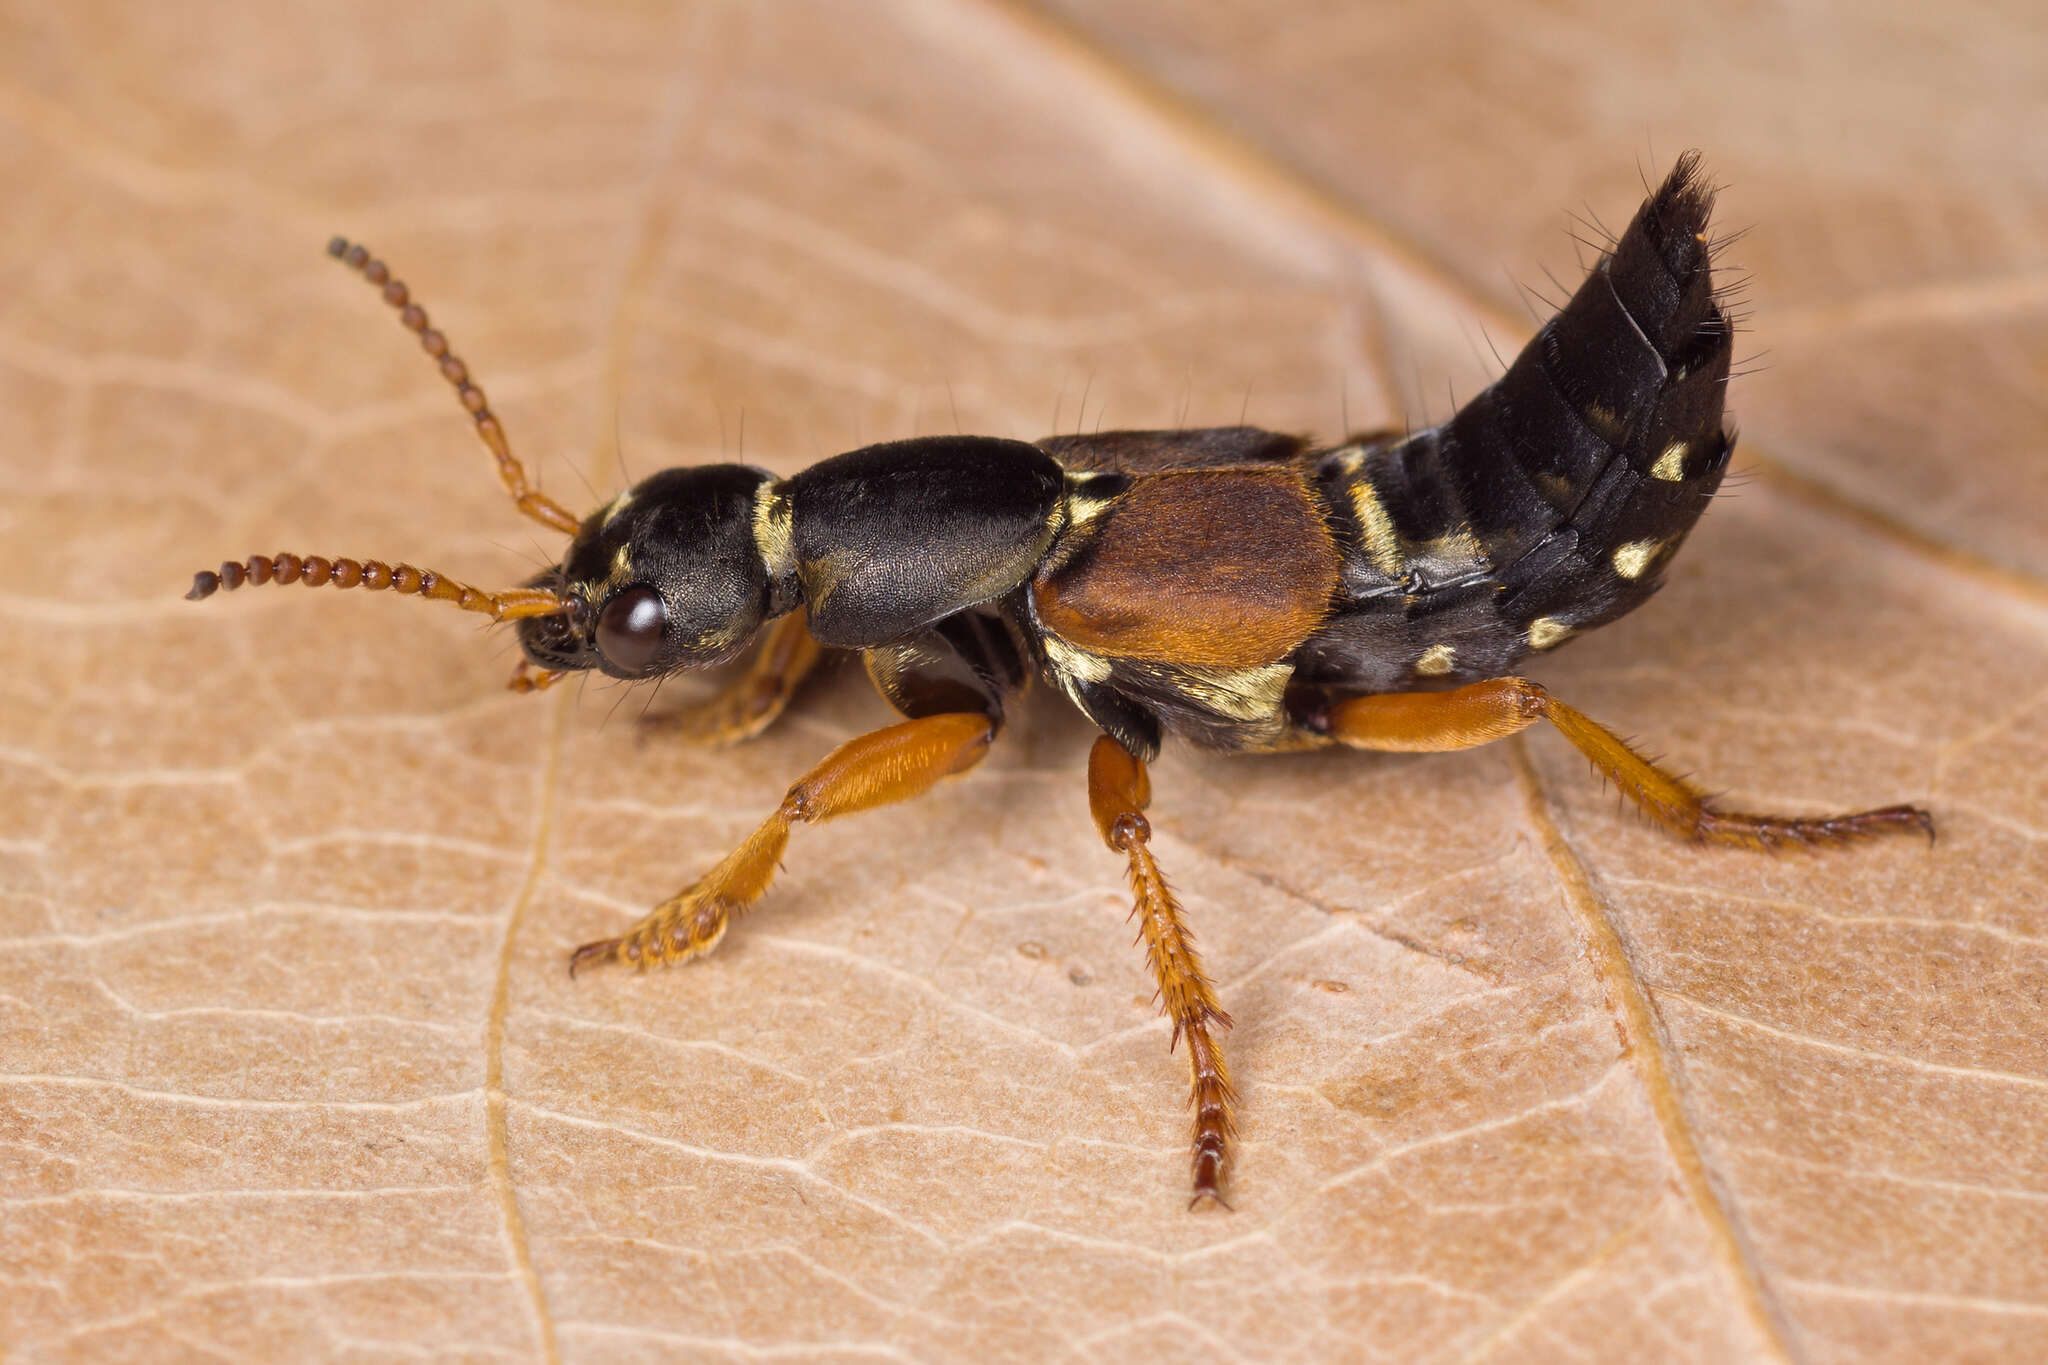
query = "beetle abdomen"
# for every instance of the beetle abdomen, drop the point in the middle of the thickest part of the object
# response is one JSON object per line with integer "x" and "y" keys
{"x": 1552, "y": 501}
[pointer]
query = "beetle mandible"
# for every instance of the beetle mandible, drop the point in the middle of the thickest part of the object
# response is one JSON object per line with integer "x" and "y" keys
{"x": 1244, "y": 589}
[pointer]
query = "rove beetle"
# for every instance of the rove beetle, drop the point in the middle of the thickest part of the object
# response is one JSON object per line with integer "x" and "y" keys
{"x": 1245, "y": 589}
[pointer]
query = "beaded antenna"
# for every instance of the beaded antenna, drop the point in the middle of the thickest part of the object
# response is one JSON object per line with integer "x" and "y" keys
{"x": 315, "y": 571}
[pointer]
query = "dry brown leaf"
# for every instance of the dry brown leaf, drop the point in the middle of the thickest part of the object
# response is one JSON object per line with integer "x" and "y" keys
{"x": 289, "y": 1067}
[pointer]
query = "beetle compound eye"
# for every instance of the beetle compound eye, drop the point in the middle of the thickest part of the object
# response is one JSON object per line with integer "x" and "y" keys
{"x": 630, "y": 629}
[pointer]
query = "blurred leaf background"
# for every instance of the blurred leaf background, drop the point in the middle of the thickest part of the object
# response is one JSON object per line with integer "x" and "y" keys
{"x": 289, "y": 1067}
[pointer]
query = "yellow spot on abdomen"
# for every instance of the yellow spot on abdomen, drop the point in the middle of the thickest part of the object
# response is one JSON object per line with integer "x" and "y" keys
{"x": 1546, "y": 631}
{"x": 1606, "y": 422}
{"x": 1670, "y": 465}
{"x": 1436, "y": 661}
{"x": 1631, "y": 559}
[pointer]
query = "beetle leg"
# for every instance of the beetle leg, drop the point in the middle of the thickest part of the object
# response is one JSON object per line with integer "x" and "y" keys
{"x": 752, "y": 702}
{"x": 527, "y": 678}
{"x": 1118, "y": 792}
{"x": 877, "y": 769}
{"x": 1429, "y": 722}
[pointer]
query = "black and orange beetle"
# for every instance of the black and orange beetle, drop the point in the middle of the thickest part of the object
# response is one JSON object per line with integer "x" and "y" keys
{"x": 1247, "y": 590}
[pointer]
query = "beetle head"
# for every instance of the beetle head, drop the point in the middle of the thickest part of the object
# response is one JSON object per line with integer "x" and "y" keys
{"x": 667, "y": 576}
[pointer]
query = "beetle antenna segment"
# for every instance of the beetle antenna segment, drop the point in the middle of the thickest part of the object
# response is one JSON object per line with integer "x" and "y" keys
{"x": 315, "y": 572}
{"x": 511, "y": 473}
